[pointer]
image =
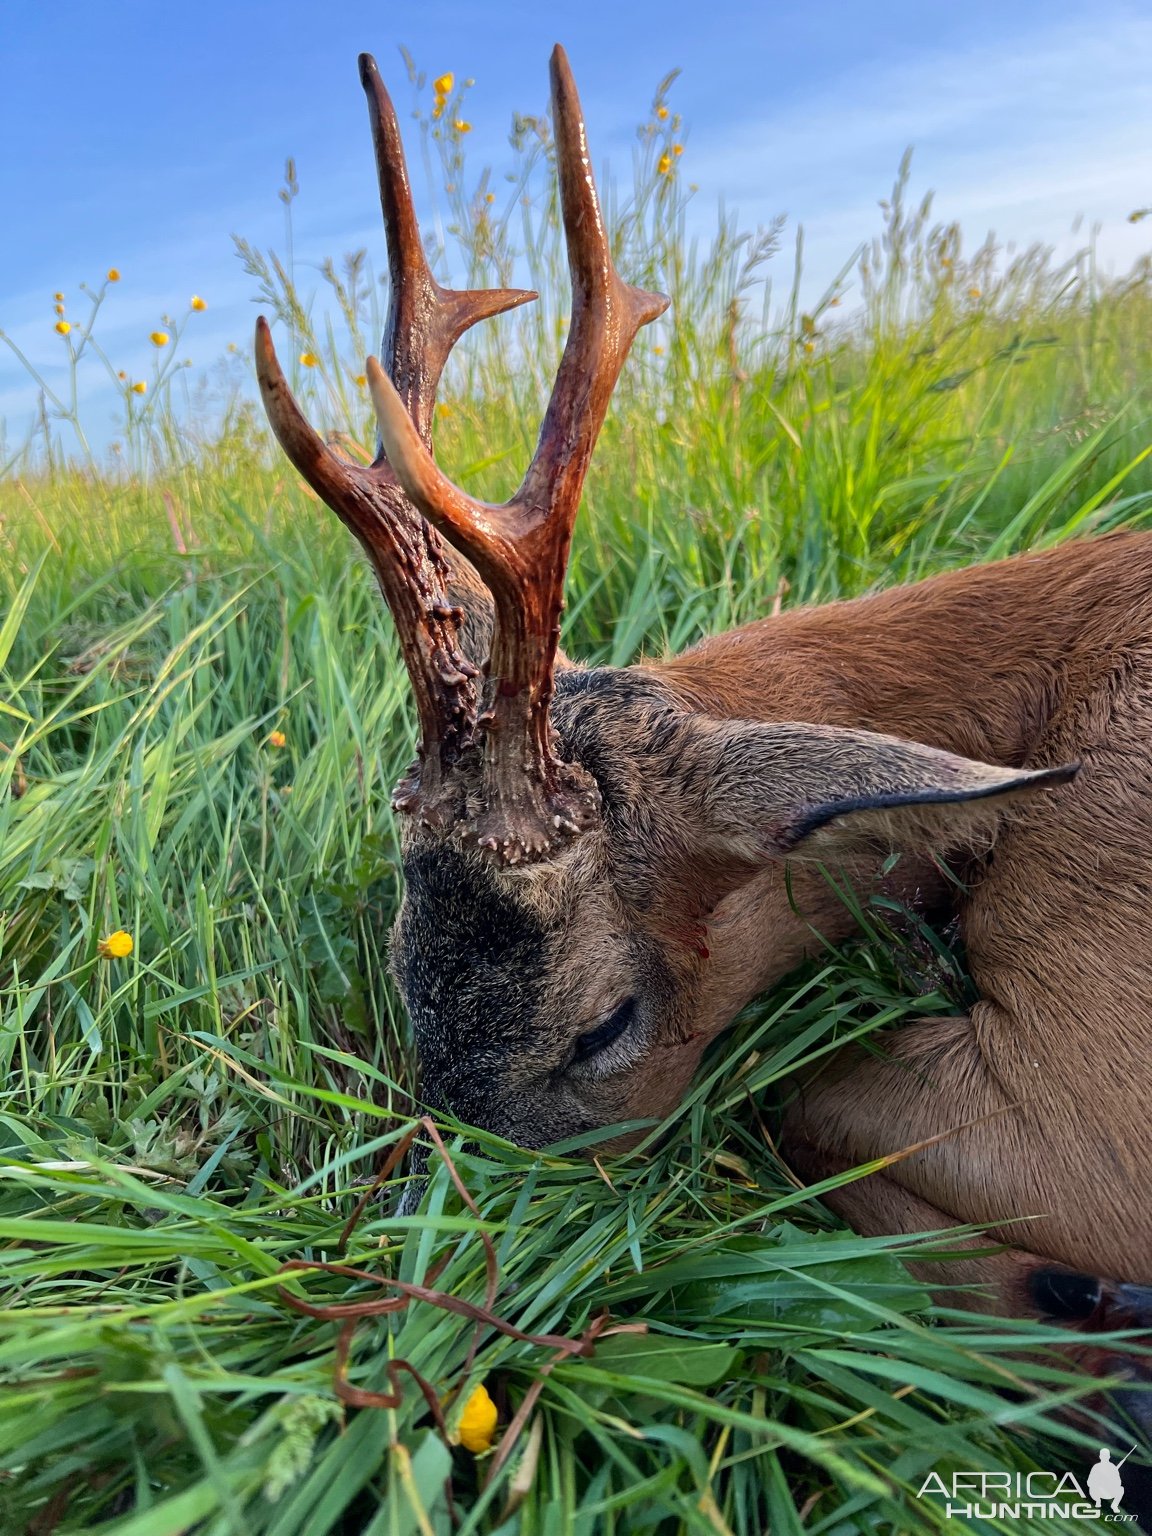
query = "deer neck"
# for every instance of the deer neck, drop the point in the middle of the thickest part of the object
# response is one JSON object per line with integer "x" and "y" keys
{"x": 974, "y": 661}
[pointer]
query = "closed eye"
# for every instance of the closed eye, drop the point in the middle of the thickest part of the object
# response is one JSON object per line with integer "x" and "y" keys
{"x": 605, "y": 1032}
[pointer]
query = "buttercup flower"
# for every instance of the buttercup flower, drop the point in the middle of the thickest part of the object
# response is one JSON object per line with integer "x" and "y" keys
{"x": 442, "y": 85}
{"x": 59, "y": 309}
{"x": 63, "y": 327}
{"x": 159, "y": 338}
{"x": 489, "y": 197}
{"x": 198, "y": 302}
{"x": 361, "y": 379}
{"x": 664, "y": 165}
{"x": 973, "y": 293}
{"x": 59, "y": 297}
{"x": 113, "y": 274}
{"x": 277, "y": 739}
{"x": 117, "y": 946}
{"x": 139, "y": 387}
{"x": 661, "y": 113}
{"x": 309, "y": 359}
{"x": 461, "y": 126}
{"x": 478, "y": 1421}
{"x": 677, "y": 149}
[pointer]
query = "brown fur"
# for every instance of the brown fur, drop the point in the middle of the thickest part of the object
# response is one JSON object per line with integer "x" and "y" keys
{"x": 1033, "y": 661}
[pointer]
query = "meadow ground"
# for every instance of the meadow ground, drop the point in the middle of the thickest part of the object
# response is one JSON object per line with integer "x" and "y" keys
{"x": 200, "y": 718}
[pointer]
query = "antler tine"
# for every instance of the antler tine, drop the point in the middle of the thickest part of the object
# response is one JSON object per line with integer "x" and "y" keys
{"x": 606, "y": 315}
{"x": 532, "y": 801}
{"x": 425, "y": 321}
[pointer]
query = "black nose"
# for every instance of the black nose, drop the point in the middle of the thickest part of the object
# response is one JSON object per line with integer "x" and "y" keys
{"x": 417, "y": 1183}
{"x": 410, "y": 1200}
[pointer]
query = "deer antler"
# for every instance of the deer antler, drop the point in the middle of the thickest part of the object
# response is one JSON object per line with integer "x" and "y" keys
{"x": 527, "y": 801}
{"x": 412, "y": 565}
{"x": 530, "y": 801}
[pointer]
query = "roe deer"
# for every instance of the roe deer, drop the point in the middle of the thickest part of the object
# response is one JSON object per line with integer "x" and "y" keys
{"x": 604, "y": 865}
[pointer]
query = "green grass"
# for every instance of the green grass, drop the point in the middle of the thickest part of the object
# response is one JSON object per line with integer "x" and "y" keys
{"x": 178, "y": 1125}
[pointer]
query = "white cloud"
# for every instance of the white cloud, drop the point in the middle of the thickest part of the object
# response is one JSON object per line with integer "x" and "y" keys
{"x": 1019, "y": 142}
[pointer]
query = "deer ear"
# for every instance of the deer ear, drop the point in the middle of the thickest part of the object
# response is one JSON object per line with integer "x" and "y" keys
{"x": 769, "y": 791}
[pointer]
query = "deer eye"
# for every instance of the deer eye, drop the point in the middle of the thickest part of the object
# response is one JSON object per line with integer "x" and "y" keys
{"x": 605, "y": 1032}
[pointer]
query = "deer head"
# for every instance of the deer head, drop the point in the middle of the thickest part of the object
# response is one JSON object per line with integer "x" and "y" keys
{"x": 593, "y": 869}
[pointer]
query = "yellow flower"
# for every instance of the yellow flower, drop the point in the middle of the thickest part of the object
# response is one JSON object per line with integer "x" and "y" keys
{"x": 59, "y": 297}
{"x": 277, "y": 739}
{"x": 461, "y": 126}
{"x": 117, "y": 946}
{"x": 489, "y": 197}
{"x": 361, "y": 379}
{"x": 113, "y": 274}
{"x": 63, "y": 327}
{"x": 664, "y": 165}
{"x": 659, "y": 351}
{"x": 677, "y": 150}
{"x": 309, "y": 359}
{"x": 478, "y": 1421}
{"x": 809, "y": 346}
{"x": 159, "y": 338}
{"x": 443, "y": 84}
{"x": 121, "y": 374}
{"x": 443, "y": 410}
{"x": 139, "y": 388}
{"x": 661, "y": 113}
{"x": 198, "y": 302}
{"x": 59, "y": 309}
{"x": 973, "y": 293}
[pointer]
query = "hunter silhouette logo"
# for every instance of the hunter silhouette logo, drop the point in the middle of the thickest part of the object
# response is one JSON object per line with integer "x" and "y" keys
{"x": 1104, "y": 1483}
{"x": 1033, "y": 1495}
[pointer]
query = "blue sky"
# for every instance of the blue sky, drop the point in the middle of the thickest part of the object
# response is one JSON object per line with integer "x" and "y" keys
{"x": 141, "y": 134}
